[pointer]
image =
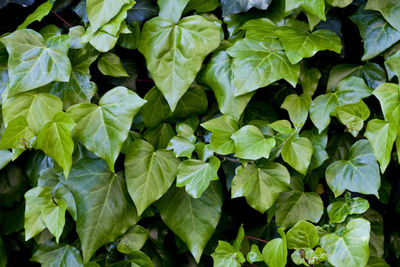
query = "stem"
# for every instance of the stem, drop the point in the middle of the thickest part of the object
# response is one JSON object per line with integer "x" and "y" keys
{"x": 284, "y": 142}
{"x": 55, "y": 203}
{"x": 145, "y": 81}
{"x": 255, "y": 238}
{"x": 63, "y": 20}
{"x": 228, "y": 158}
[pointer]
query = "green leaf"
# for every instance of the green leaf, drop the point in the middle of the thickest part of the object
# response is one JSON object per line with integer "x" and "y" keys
{"x": 192, "y": 219}
{"x": 301, "y": 44}
{"x": 275, "y": 251}
{"x": 50, "y": 255}
{"x": 54, "y": 217}
{"x": 353, "y": 116}
{"x": 172, "y": 9}
{"x": 348, "y": 247}
{"x": 221, "y": 129}
{"x": 33, "y": 64}
{"x": 302, "y": 235}
{"x": 319, "y": 142}
{"x": 218, "y": 75}
{"x": 56, "y": 141}
{"x": 251, "y": 144}
{"x": 339, "y": 3}
{"x": 160, "y": 135}
{"x": 133, "y": 240}
{"x": 309, "y": 79}
{"x": 110, "y": 64}
{"x": 196, "y": 175}
{"x": 254, "y": 255}
{"x": 374, "y": 261}
{"x": 314, "y": 7}
{"x": 5, "y": 157}
{"x": 261, "y": 186}
{"x": 297, "y": 107}
{"x": 109, "y": 122}
{"x": 100, "y": 12}
{"x": 17, "y": 135}
{"x": 149, "y": 173}
{"x": 377, "y": 238}
{"x": 389, "y": 9}
{"x": 389, "y": 98}
{"x": 297, "y": 153}
{"x": 343, "y": 207}
{"x": 170, "y": 70}
{"x": 381, "y": 135}
{"x": 97, "y": 191}
{"x": 40, "y": 12}
{"x": 226, "y": 255}
{"x": 295, "y": 206}
{"x": 201, "y": 6}
{"x": 376, "y": 32}
{"x": 238, "y": 6}
{"x": 183, "y": 144}
{"x": 237, "y": 243}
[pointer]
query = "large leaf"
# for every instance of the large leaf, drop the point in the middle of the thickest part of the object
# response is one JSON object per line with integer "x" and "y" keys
{"x": 226, "y": 255}
{"x": 297, "y": 153}
{"x": 275, "y": 251}
{"x": 100, "y": 12}
{"x": 103, "y": 128}
{"x": 390, "y": 9}
{"x": 173, "y": 66}
{"x": 33, "y": 63}
{"x": 218, "y": 75}
{"x": 149, "y": 173}
{"x": 294, "y": 206}
{"x": 314, "y": 7}
{"x": 105, "y": 210}
{"x": 348, "y": 247}
{"x": 50, "y": 255}
{"x": 378, "y": 35}
{"x": 261, "y": 186}
{"x": 238, "y": 6}
{"x": 192, "y": 219}
{"x": 360, "y": 173}
{"x": 172, "y": 9}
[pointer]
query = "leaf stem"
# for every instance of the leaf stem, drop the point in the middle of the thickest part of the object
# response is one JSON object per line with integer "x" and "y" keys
{"x": 228, "y": 158}
{"x": 63, "y": 20}
{"x": 255, "y": 238}
{"x": 284, "y": 142}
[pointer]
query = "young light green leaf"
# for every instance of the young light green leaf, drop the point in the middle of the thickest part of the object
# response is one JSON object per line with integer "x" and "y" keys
{"x": 149, "y": 173}
{"x": 297, "y": 153}
{"x": 275, "y": 251}
{"x": 314, "y": 7}
{"x": 381, "y": 135}
{"x": 348, "y": 247}
{"x": 353, "y": 116}
{"x": 218, "y": 75}
{"x": 50, "y": 254}
{"x": 254, "y": 254}
{"x": 40, "y": 12}
{"x": 100, "y": 12}
{"x": 389, "y": 98}
{"x": 390, "y": 10}
{"x": 339, "y": 3}
{"x": 360, "y": 173}
{"x": 342, "y": 207}
{"x": 238, "y": 6}
{"x": 105, "y": 210}
{"x": 226, "y": 255}
{"x": 251, "y": 144}
{"x": 196, "y": 175}
{"x": 376, "y": 32}
{"x": 260, "y": 186}
{"x": 43, "y": 65}
{"x": 297, "y": 107}
{"x": 110, "y": 64}
{"x": 171, "y": 9}
{"x": 17, "y": 135}
{"x": 200, "y": 216}
{"x": 302, "y": 235}
{"x": 104, "y": 128}
{"x": 54, "y": 217}
{"x": 133, "y": 240}
{"x": 294, "y": 206}
{"x": 170, "y": 70}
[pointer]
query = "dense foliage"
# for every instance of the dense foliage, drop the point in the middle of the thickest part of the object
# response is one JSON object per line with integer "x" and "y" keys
{"x": 199, "y": 132}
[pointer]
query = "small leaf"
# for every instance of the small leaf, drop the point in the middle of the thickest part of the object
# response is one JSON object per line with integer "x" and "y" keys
{"x": 171, "y": 9}
{"x": 275, "y": 251}
{"x": 297, "y": 153}
{"x": 254, "y": 255}
{"x": 17, "y": 135}
{"x": 353, "y": 116}
{"x": 297, "y": 107}
{"x": 342, "y": 207}
{"x": 49, "y": 255}
{"x": 238, "y": 6}
{"x": 110, "y": 64}
{"x": 314, "y": 7}
{"x": 40, "y": 12}
{"x": 302, "y": 235}
{"x": 101, "y": 12}
{"x": 133, "y": 240}
{"x": 339, "y": 3}
{"x": 226, "y": 255}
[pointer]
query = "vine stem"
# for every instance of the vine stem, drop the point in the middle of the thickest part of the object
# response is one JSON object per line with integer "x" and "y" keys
{"x": 255, "y": 238}
{"x": 63, "y": 20}
{"x": 284, "y": 142}
{"x": 228, "y": 158}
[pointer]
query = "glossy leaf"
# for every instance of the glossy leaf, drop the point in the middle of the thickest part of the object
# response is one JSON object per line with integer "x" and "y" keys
{"x": 339, "y": 3}
{"x": 342, "y": 207}
{"x": 302, "y": 235}
{"x": 133, "y": 240}
{"x": 17, "y": 135}
{"x": 297, "y": 107}
{"x": 390, "y": 9}
{"x": 102, "y": 11}
{"x": 314, "y": 7}
{"x": 226, "y": 255}
{"x": 49, "y": 255}
{"x": 353, "y": 116}
{"x": 238, "y": 6}
{"x": 172, "y": 9}
{"x": 297, "y": 154}
{"x": 110, "y": 64}
{"x": 275, "y": 251}
{"x": 37, "y": 15}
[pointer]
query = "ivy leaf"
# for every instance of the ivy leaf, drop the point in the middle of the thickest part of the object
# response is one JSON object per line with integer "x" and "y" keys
{"x": 302, "y": 235}
{"x": 294, "y": 206}
{"x": 43, "y": 65}
{"x": 133, "y": 240}
{"x": 275, "y": 251}
{"x": 360, "y": 173}
{"x": 254, "y": 254}
{"x": 319, "y": 142}
{"x": 196, "y": 175}
{"x": 56, "y": 141}
{"x": 183, "y": 144}
{"x": 96, "y": 191}
{"x": 160, "y": 135}
{"x": 100, "y": 12}
{"x": 301, "y": 44}
{"x": 139, "y": 259}
{"x": 376, "y": 32}
{"x": 110, "y": 122}
{"x": 142, "y": 10}
{"x": 200, "y": 216}
{"x": 381, "y": 135}
{"x": 343, "y": 207}
{"x": 314, "y": 7}
{"x": 17, "y": 135}
{"x": 171, "y": 9}
{"x": 389, "y": 98}
{"x": 390, "y": 10}
{"x": 221, "y": 129}
{"x": 110, "y": 64}
{"x": 297, "y": 153}
{"x": 50, "y": 254}
{"x": 238, "y": 6}
{"x": 297, "y": 107}
{"x": 353, "y": 116}
{"x": 339, "y": 3}
{"x": 149, "y": 173}
{"x": 40, "y": 12}
{"x": 170, "y": 70}
{"x": 260, "y": 186}
{"x": 251, "y": 144}
{"x": 54, "y": 217}
{"x": 218, "y": 75}
{"x": 226, "y": 255}
{"x": 340, "y": 246}
{"x": 201, "y": 6}
{"x": 309, "y": 79}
